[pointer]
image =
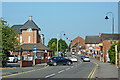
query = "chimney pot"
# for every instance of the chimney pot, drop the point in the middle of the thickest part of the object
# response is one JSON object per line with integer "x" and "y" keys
{"x": 30, "y": 17}
{"x": 99, "y": 34}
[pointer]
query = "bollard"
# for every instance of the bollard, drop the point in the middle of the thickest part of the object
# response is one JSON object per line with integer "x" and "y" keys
{"x": 20, "y": 63}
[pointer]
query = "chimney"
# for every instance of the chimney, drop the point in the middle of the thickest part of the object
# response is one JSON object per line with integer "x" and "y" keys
{"x": 99, "y": 34}
{"x": 30, "y": 17}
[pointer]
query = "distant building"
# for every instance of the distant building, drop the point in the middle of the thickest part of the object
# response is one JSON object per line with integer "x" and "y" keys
{"x": 78, "y": 44}
{"x": 92, "y": 45}
{"x": 106, "y": 43}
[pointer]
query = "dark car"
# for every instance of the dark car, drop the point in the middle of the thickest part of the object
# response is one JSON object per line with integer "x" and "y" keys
{"x": 59, "y": 61}
{"x": 83, "y": 56}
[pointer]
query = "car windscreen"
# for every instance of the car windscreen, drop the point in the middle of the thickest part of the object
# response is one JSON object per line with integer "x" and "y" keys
{"x": 54, "y": 58}
{"x": 11, "y": 56}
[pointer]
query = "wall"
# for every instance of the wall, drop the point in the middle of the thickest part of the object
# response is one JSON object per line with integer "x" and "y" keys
{"x": 106, "y": 46}
{"x": 76, "y": 40}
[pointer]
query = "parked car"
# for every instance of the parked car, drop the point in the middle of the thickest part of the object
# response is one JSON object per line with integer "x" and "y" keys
{"x": 83, "y": 56}
{"x": 86, "y": 59}
{"x": 74, "y": 59}
{"x": 59, "y": 61}
{"x": 13, "y": 58}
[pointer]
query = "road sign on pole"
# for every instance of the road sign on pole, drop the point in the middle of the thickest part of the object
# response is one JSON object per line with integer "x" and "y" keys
{"x": 34, "y": 49}
{"x": 28, "y": 53}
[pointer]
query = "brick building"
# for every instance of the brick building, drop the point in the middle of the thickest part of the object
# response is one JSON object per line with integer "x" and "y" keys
{"x": 78, "y": 44}
{"x": 92, "y": 45}
{"x": 28, "y": 37}
{"x": 28, "y": 32}
{"x": 106, "y": 43}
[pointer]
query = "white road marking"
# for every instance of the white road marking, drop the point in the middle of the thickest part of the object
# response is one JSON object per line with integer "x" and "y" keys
{"x": 67, "y": 68}
{"x": 61, "y": 71}
{"x": 49, "y": 75}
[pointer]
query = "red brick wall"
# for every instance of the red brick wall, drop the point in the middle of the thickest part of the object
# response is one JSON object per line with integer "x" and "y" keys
{"x": 106, "y": 46}
{"x": 78, "y": 39}
{"x": 34, "y": 36}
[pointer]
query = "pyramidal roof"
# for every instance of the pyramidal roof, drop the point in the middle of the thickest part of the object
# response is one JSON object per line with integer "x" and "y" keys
{"x": 29, "y": 24}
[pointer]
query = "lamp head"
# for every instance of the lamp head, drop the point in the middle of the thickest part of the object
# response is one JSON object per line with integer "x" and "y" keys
{"x": 106, "y": 17}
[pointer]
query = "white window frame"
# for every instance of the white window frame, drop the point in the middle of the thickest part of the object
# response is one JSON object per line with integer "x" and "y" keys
{"x": 28, "y": 39}
{"x": 20, "y": 39}
{"x": 97, "y": 45}
{"x": 88, "y": 45}
{"x": 29, "y": 30}
{"x": 93, "y": 45}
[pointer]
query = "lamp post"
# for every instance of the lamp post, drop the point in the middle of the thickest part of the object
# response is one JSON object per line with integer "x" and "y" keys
{"x": 57, "y": 46}
{"x": 112, "y": 20}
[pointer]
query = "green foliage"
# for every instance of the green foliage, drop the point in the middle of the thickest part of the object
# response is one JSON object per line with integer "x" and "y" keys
{"x": 112, "y": 52}
{"x": 69, "y": 47}
{"x": 52, "y": 44}
{"x": 9, "y": 41}
{"x": 62, "y": 45}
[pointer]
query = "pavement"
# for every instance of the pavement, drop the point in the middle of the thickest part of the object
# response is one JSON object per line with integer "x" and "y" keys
{"x": 105, "y": 70}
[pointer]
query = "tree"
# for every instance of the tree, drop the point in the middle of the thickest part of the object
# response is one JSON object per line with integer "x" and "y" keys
{"x": 9, "y": 41}
{"x": 112, "y": 52}
{"x": 52, "y": 44}
{"x": 63, "y": 46}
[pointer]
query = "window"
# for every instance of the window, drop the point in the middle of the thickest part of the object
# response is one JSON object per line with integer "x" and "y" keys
{"x": 88, "y": 45}
{"x": 97, "y": 45}
{"x": 28, "y": 39}
{"x": 20, "y": 39}
{"x": 93, "y": 45}
{"x": 29, "y": 30}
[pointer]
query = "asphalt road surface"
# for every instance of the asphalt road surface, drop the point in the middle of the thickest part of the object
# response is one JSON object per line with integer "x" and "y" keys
{"x": 76, "y": 70}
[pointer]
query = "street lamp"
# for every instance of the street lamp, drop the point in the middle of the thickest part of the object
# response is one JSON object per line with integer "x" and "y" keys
{"x": 112, "y": 20}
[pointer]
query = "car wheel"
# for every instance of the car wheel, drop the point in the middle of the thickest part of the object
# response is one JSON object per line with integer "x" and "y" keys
{"x": 69, "y": 63}
{"x": 50, "y": 65}
{"x": 54, "y": 64}
{"x": 16, "y": 60}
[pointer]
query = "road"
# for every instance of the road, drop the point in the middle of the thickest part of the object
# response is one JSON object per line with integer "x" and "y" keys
{"x": 76, "y": 70}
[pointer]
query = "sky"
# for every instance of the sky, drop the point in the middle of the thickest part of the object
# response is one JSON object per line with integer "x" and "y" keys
{"x": 72, "y": 18}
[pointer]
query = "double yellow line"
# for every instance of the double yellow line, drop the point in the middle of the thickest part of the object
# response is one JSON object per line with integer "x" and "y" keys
{"x": 93, "y": 71}
{"x": 23, "y": 72}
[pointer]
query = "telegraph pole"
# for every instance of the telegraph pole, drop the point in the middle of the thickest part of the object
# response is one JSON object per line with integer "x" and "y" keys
{"x": 57, "y": 45}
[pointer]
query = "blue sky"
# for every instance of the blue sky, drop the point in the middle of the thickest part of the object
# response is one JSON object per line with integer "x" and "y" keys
{"x": 74, "y": 18}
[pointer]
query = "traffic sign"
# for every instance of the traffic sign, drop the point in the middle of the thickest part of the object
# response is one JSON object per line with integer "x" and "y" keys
{"x": 34, "y": 48}
{"x": 28, "y": 53}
